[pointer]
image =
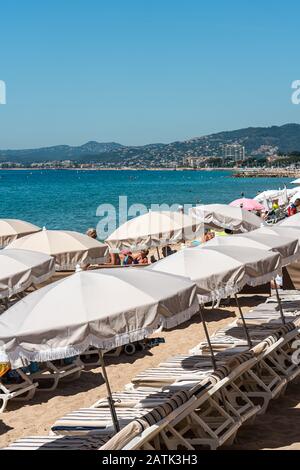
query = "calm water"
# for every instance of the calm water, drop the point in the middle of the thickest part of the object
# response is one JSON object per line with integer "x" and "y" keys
{"x": 69, "y": 199}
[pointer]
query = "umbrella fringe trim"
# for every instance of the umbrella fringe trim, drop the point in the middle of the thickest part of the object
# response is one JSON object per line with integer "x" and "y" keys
{"x": 260, "y": 281}
{"x": 20, "y": 287}
{"x": 221, "y": 293}
{"x": 182, "y": 317}
{"x": 20, "y": 357}
{"x": 227, "y": 290}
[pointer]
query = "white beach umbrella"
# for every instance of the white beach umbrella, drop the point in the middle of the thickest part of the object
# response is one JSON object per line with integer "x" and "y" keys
{"x": 154, "y": 229}
{"x": 263, "y": 239}
{"x": 295, "y": 197}
{"x": 11, "y": 229}
{"x": 287, "y": 247}
{"x": 293, "y": 191}
{"x": 284, "y": 232}
{"x": 270, "y": 195}
{"x": 220, "y": 272}
{"x": 221, "y": 216}
{"x": 293, "y": 221}
{"x": 68, "y": 248}
{"x": 104, "y": 308}
{"x": 297, "y": 181}
{"x": 20, "y": 269}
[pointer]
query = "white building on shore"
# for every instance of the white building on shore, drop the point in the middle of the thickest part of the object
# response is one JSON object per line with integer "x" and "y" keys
{"x": 234, "y": 152}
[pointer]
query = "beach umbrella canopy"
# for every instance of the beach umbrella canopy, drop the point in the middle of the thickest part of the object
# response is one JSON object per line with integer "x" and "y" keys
{"x": 104, "y": 308}
{"x": 247, "y": 204}
{"x": 263, "y": 238}
{"x": 270, "y": 195}
{"x": 286, "y": 244}
{"x": 222, "y": 216}
{"x": 68, "y": 248}
{"x": 297, "y": 181}
{"x": 292, "y": 192}
{"x": 295, "y": 197}
{"x": 20, "y": 269}
{"x": 293, "y": 221}
{"x": 154, "y": 229}
{"x": 11, "y": 229}
{"x": 221, "y": 271}
{"x": 283, "y": 232}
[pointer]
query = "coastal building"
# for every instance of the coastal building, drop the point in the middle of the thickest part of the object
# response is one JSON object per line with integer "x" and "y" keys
{"x": 234, "y": 152}
{"x": 196, "y": 162}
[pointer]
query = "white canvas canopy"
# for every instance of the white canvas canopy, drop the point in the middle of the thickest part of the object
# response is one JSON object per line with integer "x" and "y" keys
{"x": 221, "y": 271}
{"x": 20, "y": 269}
{"x": 293, "y": 221}
{"x": 154, "y": 229}
{"x": 221, "y": 216}
{"x": 285, "y": 232}
{"x": 297, "y": 181}
{"x": 11, "y": 229}
{"x": 68, "y": 248}
{"x": 272, "y": 194}
{"x": 103, "y": 308}
{"x": 295, "y": 197}
{"x": 263, "y": 239}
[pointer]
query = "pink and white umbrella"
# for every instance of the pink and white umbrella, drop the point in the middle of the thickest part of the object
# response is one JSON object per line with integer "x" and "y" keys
{"x": 248, "y": 204}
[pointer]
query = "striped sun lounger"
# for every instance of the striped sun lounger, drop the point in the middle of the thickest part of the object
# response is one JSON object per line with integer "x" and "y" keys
{"x": 94, "y": 420}
{"x": 58, "y": 443}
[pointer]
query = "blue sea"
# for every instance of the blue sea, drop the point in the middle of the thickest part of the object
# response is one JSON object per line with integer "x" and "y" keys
{"x": 68, "y": 200}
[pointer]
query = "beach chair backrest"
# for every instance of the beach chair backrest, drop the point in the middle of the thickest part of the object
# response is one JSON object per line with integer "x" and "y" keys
{"x": 143, "y": 429}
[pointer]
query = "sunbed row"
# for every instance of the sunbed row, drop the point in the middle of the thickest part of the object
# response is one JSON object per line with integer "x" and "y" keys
{"x": 208, "y": 407}
{"x": 22, "y": 384}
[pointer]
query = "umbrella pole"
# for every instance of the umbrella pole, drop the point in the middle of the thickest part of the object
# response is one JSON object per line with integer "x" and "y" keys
{"x": 244, "y": 321}
{"x": 279, "y": 303}
{"x": 109, "y": 398}
{"x": 157, "y": 251}
{"x": 213, "y": 359}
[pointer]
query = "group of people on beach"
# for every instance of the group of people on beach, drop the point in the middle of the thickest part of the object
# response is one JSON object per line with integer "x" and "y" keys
{"x": 127, "y": 258}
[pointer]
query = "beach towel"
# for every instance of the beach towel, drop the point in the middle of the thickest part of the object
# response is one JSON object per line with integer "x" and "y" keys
{"x": 4, "y": 368}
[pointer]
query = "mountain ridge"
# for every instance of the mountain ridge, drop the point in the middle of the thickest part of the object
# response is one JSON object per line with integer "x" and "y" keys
{"x": 285, "y": 138}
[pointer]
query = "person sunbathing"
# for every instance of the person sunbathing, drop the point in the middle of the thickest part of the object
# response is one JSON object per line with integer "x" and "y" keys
{"x": 126, "y": 258}
{"x": 142, "y": 258}
{"x": 92, "y": 233}
{"x": 114, "y": 259}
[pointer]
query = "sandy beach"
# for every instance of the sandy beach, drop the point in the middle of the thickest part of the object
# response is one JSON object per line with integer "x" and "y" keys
{"x": 278, "y": 429}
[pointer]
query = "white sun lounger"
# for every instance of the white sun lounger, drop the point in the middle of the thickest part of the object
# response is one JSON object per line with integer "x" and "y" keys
{"x": 88, "y": 421}
{"x": 22, "y": 391}
{"x": 207, "y": 419}
{"x": 58, "y": 443}
{"x": 92, "y": 358}
{"x": 136, "y": 399}
{"x": 160, "y": 377}
{"x": 51, "y": 373}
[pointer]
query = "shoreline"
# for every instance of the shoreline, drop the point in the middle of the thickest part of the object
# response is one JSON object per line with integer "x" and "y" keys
{"x": 233, "y": 172}
{"x": 116, "y": 169}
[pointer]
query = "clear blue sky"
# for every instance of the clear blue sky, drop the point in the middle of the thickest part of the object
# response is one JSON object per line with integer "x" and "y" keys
{"x": 141, "y": 71}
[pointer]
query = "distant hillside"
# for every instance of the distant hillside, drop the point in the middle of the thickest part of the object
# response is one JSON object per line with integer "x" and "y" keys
{"x": 286, "y": 138}
{"x": 59, "y": 152}
{"x": 257, "y": 141}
